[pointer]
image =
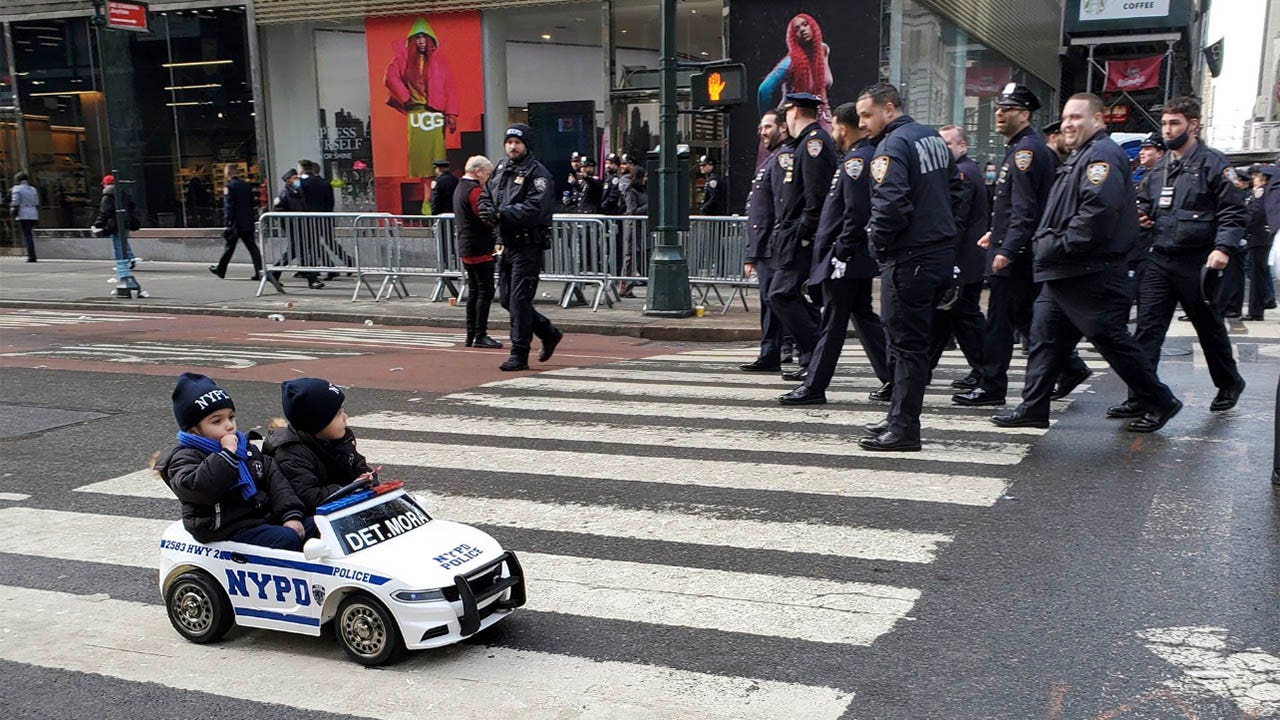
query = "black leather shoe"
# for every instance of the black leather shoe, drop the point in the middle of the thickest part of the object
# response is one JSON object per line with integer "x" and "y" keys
{"x": 514, "y": 363}
{"x": 888, "y": 442}
{"x": 214, "y": 269}
{"x": 1231, "y": 314}
{"x": 549, "y": 347}
{"x": 759, "y": 365}
{"x": 788, "y": 354}
{"x": 977, "y": 398}
{"x": 315, "y": 284}
{"x": 969, "y": 382}
{"x": 331, "y": 276}
{"x": 471, "y": 340}
{"x": 802, "y": 396}
{"x": 1252, "y": 318}
{"x": 1184, "y": 318}
{"x": 1155, "y": 419}
{"x": 1227, "y": 397}
{"x": 484, "y": 341}
{"x": 877, "y": 429}
{"x": 1017, "y": 417}
{"x": 1068, "y": 383}
{"x": 257, "y": 275}
{"x": 1125, "y": 410}
{"x": 797, "y": 375}
{"x": 884, "y": 394}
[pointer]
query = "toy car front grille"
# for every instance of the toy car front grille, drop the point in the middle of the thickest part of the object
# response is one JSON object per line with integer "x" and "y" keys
{"x": 479, "y": 582}
{"x": 483, "y": 584}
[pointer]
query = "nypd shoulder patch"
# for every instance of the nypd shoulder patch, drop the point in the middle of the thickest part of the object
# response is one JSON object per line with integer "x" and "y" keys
{"x": 813, "y": 146}
{"x": 711, "y": 184}
{"x": 879, "y": 168}
{"x": 1097, "y": 172}
{"x": 1022, "y": 160}
{"x": 853, "y": 167}
{"x": 1230, "y": 174}
{"x": 540, "y": 184}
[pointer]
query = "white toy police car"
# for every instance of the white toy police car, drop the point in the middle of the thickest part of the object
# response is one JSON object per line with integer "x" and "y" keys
{"x": 389, "y": 576}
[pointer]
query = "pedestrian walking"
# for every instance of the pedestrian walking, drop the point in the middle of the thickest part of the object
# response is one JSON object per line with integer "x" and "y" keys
{"x": 519, "y": 199}
{"x": 913, "y": 229}
{"x": 476, "y": 250}
{"x": 237, "y": 206}
{"x": 761, "y": 212}
{"x": 443, "y": 186}
{"x": 24, "y": 203}
{"x": 107, "y": 223}
{"x": 843, "y": 266}
{"x": 1198, "y": 217}
{"x": 959, "y": 314}
{"x": 1081, "y": 250}
{"x": 804, "y": 189}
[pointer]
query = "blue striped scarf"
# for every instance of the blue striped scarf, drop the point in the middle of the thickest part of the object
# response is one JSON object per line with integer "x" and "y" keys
{"x": 247, "y": 487}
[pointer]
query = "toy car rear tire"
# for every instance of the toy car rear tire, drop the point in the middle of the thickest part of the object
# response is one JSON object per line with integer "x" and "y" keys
{"x": 366, "y": 631}
{"x": 198, "y": 608}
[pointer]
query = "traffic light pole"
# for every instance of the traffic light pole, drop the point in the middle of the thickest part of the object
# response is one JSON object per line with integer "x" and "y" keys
{"x": 668, "y": 294}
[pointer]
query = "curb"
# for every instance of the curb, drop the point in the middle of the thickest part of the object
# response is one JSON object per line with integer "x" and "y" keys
{"x": 645, "y": 331}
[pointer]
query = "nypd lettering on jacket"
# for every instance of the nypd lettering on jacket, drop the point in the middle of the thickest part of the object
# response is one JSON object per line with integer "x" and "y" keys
{"x": 933, "y": 153}
{"x": 916, "y": 185}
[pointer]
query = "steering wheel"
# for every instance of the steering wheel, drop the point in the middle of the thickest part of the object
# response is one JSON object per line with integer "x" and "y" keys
{"x": 349, "y": 488}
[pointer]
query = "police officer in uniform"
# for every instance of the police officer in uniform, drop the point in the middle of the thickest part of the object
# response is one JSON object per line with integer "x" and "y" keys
{"x": 713, "y": 201}
{"x": 913, "y": 228}
{"x": 761, "y": 212}
{"x": 959, "y": 315}
{"x": 1197, "y": 214}
{"x": 804, "y": 188}
{"x": 443, "y": 186}
{"x": 575, "y": 190}
{"x": 589, "y": 188}
{"x": 843, "y": 266}
{"x": 519, "y": 200}
{"x": 1082, "y": 248}
{"x": 611, "y": 200}
{"x": 1053, "y": 138}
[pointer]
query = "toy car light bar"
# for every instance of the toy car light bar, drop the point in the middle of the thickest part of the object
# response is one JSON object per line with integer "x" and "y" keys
{"x": 387, "y": 487}
{"x": 345, "y": 502}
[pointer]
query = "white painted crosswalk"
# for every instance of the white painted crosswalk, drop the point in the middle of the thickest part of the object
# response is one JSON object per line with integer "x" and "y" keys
{"x": 609, "y": 469}
{"x": 233, "y": 357}
{"x": 365, "y": 337}
{"x": 45, "y": 318}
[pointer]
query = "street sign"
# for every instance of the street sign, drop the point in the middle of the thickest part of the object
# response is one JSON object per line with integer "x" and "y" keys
{"x": 717, "y": 86}
{"x": 127, "y": 15}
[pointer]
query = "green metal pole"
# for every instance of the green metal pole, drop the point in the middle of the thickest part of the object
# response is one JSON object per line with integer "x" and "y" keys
{"x": 668, "y": 270}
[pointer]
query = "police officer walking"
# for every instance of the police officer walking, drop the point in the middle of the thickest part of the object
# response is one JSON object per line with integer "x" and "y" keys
{"x": 1081, "y": 255}
{"x": 519, "y": 200}
{"x": 1198, "y": 217}
{"x": 843, "y": 265}
{"x": 959, "y": 315}
{"x": 761, "y": 212}
{"x": 914, "y": 179}
{"x": 713, "y": 199}
{"x": 804, "y": 188}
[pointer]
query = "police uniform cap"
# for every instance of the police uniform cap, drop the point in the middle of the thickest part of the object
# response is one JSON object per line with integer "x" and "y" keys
{"x": 576, "y": 155}
{"x": 611, "y": 157}
{"x": 1052, "y": 128}
{"x": 1152, "y": 140}
{"x": 441, "y": 163}
{"x": 586, "y": 161}
{"x": 802, "y": 99}
{"x": 626, "y": 159}
{"x": 1015, "y": 95}
{"x": 1269, "y": 170}
{"x": 706, "y": 160}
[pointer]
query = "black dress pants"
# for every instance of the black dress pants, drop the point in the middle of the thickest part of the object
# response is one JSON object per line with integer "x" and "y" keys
{"x": 909, "y": 293}
{"x": 799, "y": 317}
{"x": 770, "y": 326}
{"x": 480, "y": 289}
{"x": 964, "y": 321}
{"x": 846, "y": 297}
{"x": 1095, "y": 306}
{"x": 28, "y": 228}
{"x": 518, "y": 270}
{"x": 245, "y": 236}
{"x": 1261, "y": 289}
{"x": 1008, "y": 309}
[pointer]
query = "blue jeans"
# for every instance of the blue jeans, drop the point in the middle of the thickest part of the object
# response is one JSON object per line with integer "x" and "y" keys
{"x": 277, "y": 537}
{"x": 123, "y": 254}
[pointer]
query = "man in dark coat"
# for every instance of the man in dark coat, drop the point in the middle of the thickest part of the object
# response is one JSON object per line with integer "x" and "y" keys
{"x": 761, "y": 216}
{"x": 959, "y": 314}
{"x": 476, "y": 250}
{"x": 442, "y": 188}
{"x": 237, "y": 206}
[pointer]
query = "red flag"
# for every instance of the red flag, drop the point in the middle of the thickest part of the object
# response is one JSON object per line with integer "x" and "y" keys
{"x": 1134, "y": 74}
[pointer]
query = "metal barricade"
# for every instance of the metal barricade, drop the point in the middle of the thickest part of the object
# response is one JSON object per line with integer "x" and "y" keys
{"x": 421, "y": 246}
{"x": 307, "y": 243}
{"x": 579, "y": 255}
{"x": 716, "y": 249}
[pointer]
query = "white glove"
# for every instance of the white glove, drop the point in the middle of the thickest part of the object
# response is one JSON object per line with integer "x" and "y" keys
{"x": 839, "y": 268}
{"x": 95, "y": 230}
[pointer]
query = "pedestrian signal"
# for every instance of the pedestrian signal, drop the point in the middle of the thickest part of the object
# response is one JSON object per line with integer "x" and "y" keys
{"x": 719, "y": 86}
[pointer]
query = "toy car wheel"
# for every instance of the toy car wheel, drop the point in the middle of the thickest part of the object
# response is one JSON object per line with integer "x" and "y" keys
{"x": 198, "y": 608}
{"x": 367, "y": 631}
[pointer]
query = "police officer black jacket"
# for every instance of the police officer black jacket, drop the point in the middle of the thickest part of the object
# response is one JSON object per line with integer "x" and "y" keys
{"x": 804, "y": 188}
{"x": 212, "y": 507}
{"x": 915, "y": 185}
{"x": 713, "y": 196}
{"x": 521, "y": 197}
{"x": 442, "y": 189}
{"x": 842, "y": 228}
{"x": 1195, "y": 205}
{"x": 971, "y": 214}
{"x": 1022, "y": 190}
{"x": 1092, "y": 219}
{"x": 761, "y": 203}
{"x": 237, "y": 205}
{"x": 315, "y": 468}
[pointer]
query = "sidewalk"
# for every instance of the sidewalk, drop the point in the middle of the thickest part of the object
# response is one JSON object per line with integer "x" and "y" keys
{"x": 189, "y": 288}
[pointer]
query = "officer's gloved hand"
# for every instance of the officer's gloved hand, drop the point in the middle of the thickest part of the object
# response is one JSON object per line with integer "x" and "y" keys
{"x": 838, "y": 268}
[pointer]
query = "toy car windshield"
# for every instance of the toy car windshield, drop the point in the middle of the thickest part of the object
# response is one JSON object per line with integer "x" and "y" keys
{"x": 378, "y": 524}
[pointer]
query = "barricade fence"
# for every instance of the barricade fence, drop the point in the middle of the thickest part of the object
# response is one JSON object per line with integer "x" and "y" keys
{"x": 307, "y": 243}
{"x": 411, "y": 246}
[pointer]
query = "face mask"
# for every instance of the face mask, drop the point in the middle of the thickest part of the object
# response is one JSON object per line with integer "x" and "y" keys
{"x": 991, "y": 176}
{"x": 1178, "y": 142}
{"x": 297, "y": 183}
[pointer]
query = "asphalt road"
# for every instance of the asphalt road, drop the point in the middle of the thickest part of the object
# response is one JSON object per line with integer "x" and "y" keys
{"x": 695, "y": 550}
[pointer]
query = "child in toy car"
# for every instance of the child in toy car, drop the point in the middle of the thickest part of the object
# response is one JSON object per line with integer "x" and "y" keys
{"x": 316, "y": 453}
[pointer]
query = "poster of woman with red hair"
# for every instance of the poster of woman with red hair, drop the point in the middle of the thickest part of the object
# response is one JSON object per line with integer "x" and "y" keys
{"x": 805, "y": 68}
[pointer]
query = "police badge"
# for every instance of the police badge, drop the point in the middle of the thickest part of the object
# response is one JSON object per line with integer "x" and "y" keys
{"x": 813, "y": 147}
{"x": 1022, "y": 159}
{"x": 880, "y": 168}
{"x": 1097, "y": 172}
{"x": 853, "y": 167}
{"x": 540, "y": 184}
{"x": 786, "y": 160}
{"x": 317, "y": 592}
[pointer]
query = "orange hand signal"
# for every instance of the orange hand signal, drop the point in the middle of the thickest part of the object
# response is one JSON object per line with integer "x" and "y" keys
{"x": 715, "y": 86}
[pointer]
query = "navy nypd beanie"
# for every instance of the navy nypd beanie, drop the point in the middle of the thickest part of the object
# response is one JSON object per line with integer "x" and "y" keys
{"x": 522, "y": 132}
{"x": 310, "y": 403}
{"x": 196, "y": 397}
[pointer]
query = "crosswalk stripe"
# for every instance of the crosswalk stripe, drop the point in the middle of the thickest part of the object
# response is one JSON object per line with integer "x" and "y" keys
{"x": 813, "y": 415}
{"x": 367, "y": 336}
{"x": 952, "y": 451}
{"x": 709, "y": 392}
{"x": 149, "y": 348}
{"x": 840, "y": 541}
{"x": 827, "y": 611}
{"x": 133, "y": 641}
{"x": 839, "y": 382}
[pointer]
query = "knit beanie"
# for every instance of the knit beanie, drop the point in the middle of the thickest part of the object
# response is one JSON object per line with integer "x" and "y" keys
{"x": 310, "y": 404}
{"x": 196, "y": 397}
{"x": 521, "y": 132}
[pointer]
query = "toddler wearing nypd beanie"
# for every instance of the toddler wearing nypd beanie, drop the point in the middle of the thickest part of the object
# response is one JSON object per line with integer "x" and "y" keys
{"x": 228, "y": 489}
{"x": 317, "y": 451}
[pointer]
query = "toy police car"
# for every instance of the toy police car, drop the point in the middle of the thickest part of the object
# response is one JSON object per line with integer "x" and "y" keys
{"x": 389, "y": 576}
